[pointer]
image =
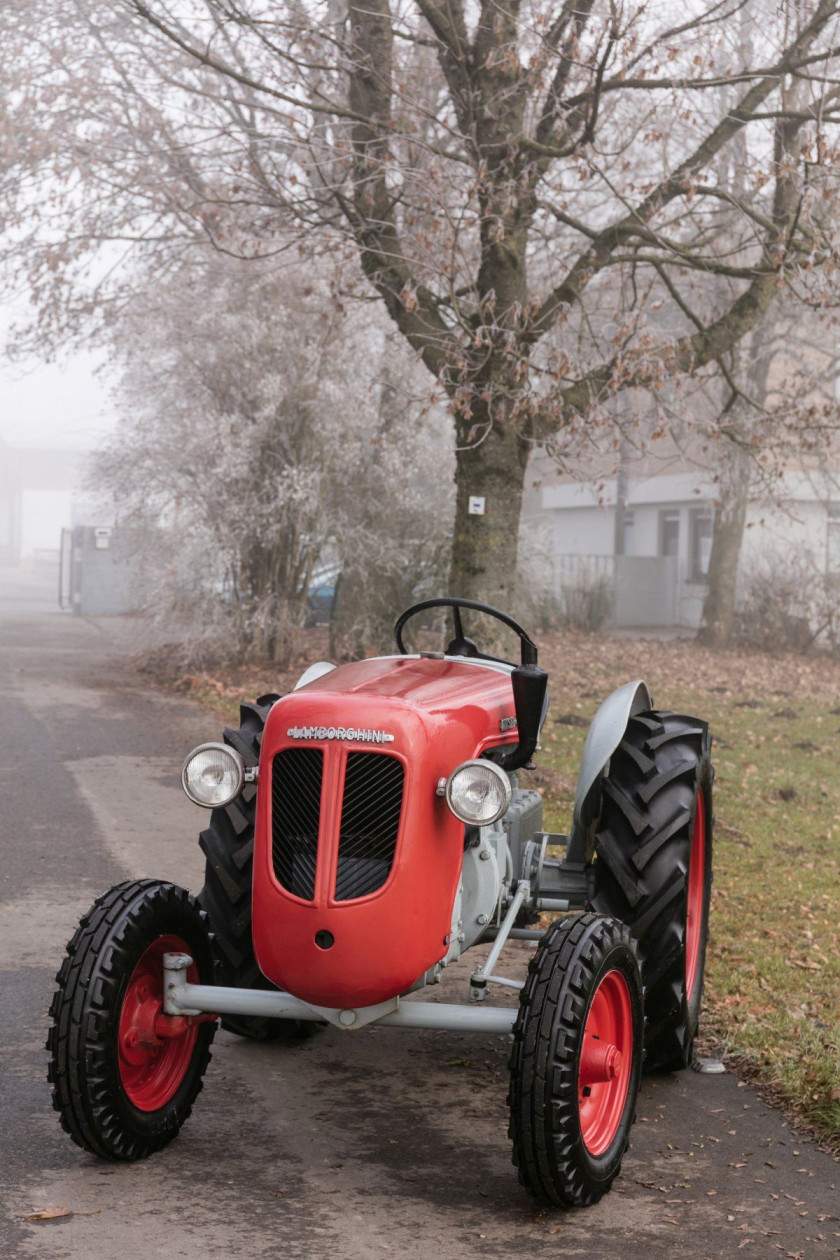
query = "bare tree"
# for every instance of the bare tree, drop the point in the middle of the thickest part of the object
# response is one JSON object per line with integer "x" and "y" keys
{"x": 524, "y": 185}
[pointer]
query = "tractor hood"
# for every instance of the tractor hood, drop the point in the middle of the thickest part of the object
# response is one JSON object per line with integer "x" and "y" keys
{"x": 436, "y": 685}
{"x": 357, "y": 859}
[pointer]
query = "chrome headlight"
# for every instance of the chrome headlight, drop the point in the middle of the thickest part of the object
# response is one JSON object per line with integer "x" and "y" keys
{"x": 213, "y": 775}
{"x": 478, "y": 792}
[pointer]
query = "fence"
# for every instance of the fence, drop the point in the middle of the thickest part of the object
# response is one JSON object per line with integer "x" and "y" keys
{"x": 642, "y": 590}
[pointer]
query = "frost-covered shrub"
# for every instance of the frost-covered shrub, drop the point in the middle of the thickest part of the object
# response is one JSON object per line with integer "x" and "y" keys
{"x": 264, "y": 429}
{"x": 586, "y": 600}
{"x": 787, "y": 602}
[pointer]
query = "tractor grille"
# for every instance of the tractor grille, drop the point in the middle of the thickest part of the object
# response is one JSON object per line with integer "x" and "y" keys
{"x": 295, "y": 811}
{"x": 370, "y": 819}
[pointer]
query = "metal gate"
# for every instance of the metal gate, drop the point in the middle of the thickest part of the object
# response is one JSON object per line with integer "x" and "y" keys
{"x": 93, "y": 580}
{"x": 645, "y": 591}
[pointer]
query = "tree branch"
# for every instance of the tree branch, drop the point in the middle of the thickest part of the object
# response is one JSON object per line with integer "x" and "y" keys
{"x": 593, "y": 259}
{"x": 453, "y": 50}
{"x": 370, "y": 214}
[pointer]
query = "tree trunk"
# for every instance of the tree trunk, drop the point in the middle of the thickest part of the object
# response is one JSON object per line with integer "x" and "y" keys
{"x": 718, "y": 618}
{"x": 484, "y": 550}
{"x": 622, "y": 477}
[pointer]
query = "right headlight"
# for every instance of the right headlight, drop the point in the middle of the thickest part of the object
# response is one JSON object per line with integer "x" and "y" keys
{"x": 213, "y": 775}
{"x": 478, "y": 792}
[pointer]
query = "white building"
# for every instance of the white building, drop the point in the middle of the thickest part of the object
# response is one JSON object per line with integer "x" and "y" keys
{"x": 660, "y": 579}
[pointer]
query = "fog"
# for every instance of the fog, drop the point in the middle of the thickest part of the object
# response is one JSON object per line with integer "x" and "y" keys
{"x": 51, "y": 416}
{"x": 61, "y": 405}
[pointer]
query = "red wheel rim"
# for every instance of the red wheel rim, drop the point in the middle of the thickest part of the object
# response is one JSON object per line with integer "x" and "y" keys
{"x": 696, "y": 898}
{"x": 154, "y": 1049}
{"x": 606, "y": 1062}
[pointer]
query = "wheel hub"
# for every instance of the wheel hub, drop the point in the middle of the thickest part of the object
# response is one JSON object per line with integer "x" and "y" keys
{"x": 147, "y": 1028}
{"x": 154, "y": 1049}
{"x": 606, "y": 1060}
{"x": 599, "y": 1062}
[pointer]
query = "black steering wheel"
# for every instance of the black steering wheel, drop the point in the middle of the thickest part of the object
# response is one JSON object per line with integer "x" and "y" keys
{"x": 461, "y": 645}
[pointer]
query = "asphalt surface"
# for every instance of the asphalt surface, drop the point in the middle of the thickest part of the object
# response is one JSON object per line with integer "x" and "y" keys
{"x": 351, "y": 1146}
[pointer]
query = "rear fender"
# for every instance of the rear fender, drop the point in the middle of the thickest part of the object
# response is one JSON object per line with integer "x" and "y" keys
{"x": 604, "y": 736}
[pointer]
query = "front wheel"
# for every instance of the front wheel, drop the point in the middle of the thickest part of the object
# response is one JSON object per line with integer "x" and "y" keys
{"x": 577, "y": 1060}
{"x": 124, "y": 1075}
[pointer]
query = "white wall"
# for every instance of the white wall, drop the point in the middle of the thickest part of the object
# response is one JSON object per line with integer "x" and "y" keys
{"x": 584, "y": 531}
{"x": 773, "y": 531}
{"x": 643, "y": 538}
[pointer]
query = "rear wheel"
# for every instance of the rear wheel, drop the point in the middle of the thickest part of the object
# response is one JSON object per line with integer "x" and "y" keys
{"x": 576, "y": 1062}
{"x": 228, "y": 845}
{"x": 125, "y": 1074}
{"x": 654, "y": 869}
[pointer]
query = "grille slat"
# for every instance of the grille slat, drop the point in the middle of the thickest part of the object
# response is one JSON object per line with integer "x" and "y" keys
{"x": 370, "y": 819}
{"x": 297, "y": 774}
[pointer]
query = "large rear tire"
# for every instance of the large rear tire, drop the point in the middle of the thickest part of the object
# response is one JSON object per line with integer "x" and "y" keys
{"x": 576, "y": 1061}
{"x": 124, "y": 1075}
{"x": 654, "y": 869}
{"x": 228, "y": 845}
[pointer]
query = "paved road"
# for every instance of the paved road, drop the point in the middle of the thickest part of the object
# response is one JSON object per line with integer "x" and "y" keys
{"x": 350, "y": 1146}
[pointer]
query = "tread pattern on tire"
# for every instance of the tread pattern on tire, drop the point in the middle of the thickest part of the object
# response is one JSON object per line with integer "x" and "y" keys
{"x": 228, "y": 845}
{"x": 641, "y": 872}
{"x": 81, "y": 1041}
{"x": 544, "y": 1119}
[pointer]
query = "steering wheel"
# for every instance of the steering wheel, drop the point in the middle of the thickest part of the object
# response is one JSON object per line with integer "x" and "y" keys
{"x": 461, "y": 645}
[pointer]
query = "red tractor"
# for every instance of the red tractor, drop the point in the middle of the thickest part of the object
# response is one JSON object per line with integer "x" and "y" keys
{"x": 366, "y": 830}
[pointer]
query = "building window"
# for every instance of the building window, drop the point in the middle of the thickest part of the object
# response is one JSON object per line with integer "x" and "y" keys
{"x": 669, "y": 533}
{"x": 700, "y": 543}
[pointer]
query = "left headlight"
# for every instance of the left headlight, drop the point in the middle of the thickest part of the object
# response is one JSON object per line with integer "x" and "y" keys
{"x": 478, "y": 792}
{"x": 213, "y": 775}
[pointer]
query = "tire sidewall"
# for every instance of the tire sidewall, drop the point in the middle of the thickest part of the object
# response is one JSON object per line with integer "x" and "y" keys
{"x": 153, "y": 921}
{"x": 694, "y": 1001}
{"x": 690, "y": 1005}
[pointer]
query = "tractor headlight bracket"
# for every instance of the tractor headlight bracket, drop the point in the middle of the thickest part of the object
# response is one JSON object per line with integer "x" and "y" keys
{"x": 478, "y": 792}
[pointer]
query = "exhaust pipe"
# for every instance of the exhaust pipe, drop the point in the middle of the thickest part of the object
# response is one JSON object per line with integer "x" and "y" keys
{"x": 529, "y": 684}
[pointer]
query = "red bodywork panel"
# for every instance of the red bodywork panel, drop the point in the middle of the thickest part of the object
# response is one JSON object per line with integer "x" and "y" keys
{"x": 440, "y": 713}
